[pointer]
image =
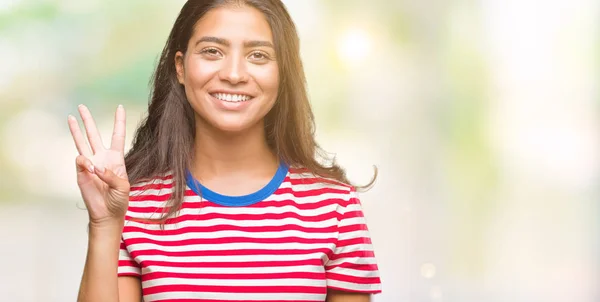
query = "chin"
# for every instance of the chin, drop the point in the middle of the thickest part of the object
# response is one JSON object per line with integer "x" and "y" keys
{"x": 233, "y": 127}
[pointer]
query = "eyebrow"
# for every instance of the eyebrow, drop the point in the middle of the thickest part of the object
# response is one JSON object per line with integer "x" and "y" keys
{"x": 247, "y": 44}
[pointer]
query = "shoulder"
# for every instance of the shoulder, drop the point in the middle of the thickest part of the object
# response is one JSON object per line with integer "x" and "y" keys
{"x": 151, "y": 186}
{"x": 150, "y": 194}
{"x": 303, "y": 182}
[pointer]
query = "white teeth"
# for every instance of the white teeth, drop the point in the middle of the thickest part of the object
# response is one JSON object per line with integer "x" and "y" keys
{"x": 231, "y": 97}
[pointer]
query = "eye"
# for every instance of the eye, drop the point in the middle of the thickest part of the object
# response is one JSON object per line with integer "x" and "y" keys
{"x": 211, "y": 52}
{"x": 259, "y": 56}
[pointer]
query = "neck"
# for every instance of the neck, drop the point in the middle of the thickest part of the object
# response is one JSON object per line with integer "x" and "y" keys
{"x": 218, "y": 153}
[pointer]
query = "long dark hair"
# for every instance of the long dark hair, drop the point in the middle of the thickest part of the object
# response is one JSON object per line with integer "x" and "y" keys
{"x": 164, "y": 141}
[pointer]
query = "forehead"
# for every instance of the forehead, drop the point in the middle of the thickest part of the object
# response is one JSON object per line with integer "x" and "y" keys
{"x": 234, "y": 24}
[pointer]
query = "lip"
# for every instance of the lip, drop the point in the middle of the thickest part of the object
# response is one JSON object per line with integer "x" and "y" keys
{"x": 231, "y": 92}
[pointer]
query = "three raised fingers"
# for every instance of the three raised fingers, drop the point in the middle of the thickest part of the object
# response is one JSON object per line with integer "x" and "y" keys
{"x": 94, "y": 138}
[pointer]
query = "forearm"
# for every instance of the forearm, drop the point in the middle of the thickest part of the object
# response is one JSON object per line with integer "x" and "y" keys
{"x": 341, "y": 296}
{"x": 99, "y": 280}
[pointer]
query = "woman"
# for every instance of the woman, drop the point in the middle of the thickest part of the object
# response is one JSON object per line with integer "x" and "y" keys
{"x": 221, "y": 197}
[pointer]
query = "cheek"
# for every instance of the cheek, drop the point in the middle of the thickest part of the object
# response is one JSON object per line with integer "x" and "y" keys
{"x": 268, "y": 79}
{"x": 199, "y": 72}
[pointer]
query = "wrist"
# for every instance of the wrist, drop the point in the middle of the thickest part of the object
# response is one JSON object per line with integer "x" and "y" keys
{"x": 106, "y": 226}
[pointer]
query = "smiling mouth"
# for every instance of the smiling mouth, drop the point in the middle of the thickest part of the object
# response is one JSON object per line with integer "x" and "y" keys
{"x": 233, "y": 98}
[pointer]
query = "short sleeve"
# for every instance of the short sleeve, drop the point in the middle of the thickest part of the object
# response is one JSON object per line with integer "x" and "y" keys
{"x": 127, "y": 265}
{"x": 353, "y": 267}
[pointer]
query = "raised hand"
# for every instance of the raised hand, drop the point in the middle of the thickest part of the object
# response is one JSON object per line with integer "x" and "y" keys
{"x": 101, "y": 174}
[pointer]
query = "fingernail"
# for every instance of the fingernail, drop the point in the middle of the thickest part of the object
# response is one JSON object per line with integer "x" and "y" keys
{"x": 71, "y": 117}
{"x": 91, "y": 168}
{"x": 100, "y": 169}
{"x": 120, "y": 106}
{"x": 80, "y": 105}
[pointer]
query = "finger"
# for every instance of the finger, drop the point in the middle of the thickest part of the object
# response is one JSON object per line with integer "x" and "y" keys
{"x": 118, "y": 137}
{"x": 80, "y": 143}
{"x": 84, "y": 164}
{"x": 112, "y": 180}
{"x": 90, "y": 128}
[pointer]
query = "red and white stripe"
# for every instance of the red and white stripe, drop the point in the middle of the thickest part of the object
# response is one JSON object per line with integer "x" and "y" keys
{"x": 308, "y": 236}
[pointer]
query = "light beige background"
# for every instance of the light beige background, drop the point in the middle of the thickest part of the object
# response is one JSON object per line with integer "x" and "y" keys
{"x": 482, "y": 116}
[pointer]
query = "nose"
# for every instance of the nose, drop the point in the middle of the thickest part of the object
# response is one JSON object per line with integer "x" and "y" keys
{"x": 234, "y": 70}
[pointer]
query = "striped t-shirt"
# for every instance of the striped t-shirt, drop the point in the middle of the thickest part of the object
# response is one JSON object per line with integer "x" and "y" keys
{"x": 289, "y": 241}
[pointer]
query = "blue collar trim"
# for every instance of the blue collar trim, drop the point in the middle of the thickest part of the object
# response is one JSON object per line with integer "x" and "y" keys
{"x": 245, "y": 200}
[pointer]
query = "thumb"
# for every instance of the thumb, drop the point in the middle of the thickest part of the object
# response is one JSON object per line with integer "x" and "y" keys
{"x": 112, "y": 180}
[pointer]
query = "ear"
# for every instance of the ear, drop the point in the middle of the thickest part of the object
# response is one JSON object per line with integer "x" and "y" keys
{"x": 179, "y": 66}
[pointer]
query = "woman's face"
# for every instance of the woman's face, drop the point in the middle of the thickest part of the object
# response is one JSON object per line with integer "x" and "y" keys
{"x": 230, "y": 72}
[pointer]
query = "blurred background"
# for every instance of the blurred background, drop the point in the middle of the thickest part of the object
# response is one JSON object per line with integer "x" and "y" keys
{"x": 482, "y": 116}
